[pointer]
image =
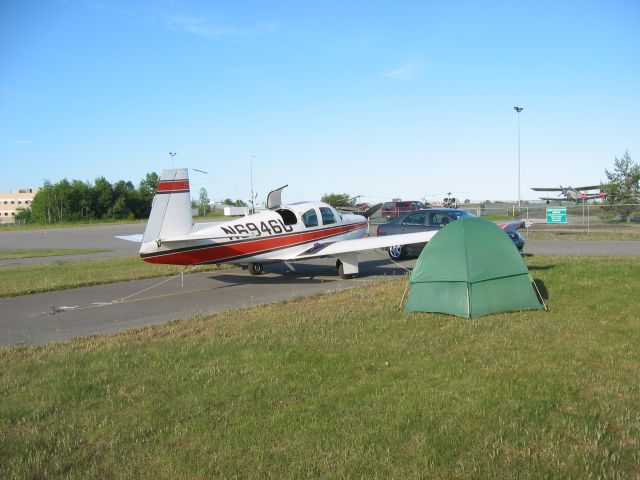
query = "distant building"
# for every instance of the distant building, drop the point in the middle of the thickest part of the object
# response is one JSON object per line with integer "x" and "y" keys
{"x": 11, "y": 202}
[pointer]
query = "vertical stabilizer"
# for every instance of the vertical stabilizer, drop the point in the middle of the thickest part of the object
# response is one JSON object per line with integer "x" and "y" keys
{"x": 171, "y": 209}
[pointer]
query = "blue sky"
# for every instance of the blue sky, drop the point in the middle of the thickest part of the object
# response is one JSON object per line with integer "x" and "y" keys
{"x": 380, "y": 99}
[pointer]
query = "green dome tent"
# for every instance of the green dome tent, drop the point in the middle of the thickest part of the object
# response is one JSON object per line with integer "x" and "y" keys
{"x": 469, "y": 269}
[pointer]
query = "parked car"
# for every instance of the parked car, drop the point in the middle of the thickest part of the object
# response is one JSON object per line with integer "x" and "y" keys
{"x": 395, "y": 208}
{"x": 434, "y": 219}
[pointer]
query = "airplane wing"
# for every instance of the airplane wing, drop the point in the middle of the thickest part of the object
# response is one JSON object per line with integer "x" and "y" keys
{"x": 591, "y": 187}
{"x": 362, "y": 244}
{"x": 131, "y": 238}
{"x": 543, "y": 189}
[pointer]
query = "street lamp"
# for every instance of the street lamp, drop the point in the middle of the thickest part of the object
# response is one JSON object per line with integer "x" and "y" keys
{"x": 518, "y": 110}
{"x": 172, "y": 154}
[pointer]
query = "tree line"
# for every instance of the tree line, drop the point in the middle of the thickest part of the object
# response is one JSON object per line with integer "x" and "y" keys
{"x": 72, "y": 201}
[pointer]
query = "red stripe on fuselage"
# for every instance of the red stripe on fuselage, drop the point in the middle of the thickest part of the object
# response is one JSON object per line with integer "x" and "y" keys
{"x": 224, "y": 252}
{"x": 165, "y": 186}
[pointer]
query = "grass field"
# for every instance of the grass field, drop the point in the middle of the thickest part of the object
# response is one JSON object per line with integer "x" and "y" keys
{"x": 344, "y": 386}
{"x": 26, "y": 279}
{"x": 581, "y": 235}
{"x": 88, "y": 223}
{"x": 14, "y": 253}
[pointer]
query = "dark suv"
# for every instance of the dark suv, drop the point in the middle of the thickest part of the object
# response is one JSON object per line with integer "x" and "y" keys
{"x": 434, "y": 219}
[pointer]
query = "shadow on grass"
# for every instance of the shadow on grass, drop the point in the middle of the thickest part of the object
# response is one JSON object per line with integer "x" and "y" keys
{"x": 541, "y": 288}
{"x": 533, "y": 268}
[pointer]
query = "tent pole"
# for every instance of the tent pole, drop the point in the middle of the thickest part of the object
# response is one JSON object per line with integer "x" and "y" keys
{"x": 468, "y": 302}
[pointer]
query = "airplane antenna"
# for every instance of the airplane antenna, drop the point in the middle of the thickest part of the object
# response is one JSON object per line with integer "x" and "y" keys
{"x": 518, "y": 110}
{"x": 252, "y": 197}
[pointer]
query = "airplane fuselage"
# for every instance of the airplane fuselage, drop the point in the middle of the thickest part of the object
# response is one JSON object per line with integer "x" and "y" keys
{"x": 269, "y": 236}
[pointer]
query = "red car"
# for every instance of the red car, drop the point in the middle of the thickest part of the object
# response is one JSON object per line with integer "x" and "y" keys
{"x": 395, "y": 208}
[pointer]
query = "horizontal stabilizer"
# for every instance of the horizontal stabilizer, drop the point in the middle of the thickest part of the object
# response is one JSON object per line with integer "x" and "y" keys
{"x": 131, "y": 238}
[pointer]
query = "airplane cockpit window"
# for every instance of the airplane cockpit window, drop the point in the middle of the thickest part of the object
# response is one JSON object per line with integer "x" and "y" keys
{"x": 414, "y": 219}
{"x": 310, "y": 218}
{"x": 327, "y": 216}
{"x": 288, "y": 217}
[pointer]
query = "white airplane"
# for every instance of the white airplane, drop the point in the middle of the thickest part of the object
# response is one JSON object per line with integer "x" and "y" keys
{"x": 299, "y": 231}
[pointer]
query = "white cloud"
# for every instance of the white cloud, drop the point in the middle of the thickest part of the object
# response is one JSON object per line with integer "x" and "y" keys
{"x": 208, "y": 30}
{"x": 22, "y": 142}
{"x": 199, "y": 25}
{"x": 403, "y": 73}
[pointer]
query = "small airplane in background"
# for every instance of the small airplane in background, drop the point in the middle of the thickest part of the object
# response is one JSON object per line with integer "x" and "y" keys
{"x": 577, "y": 194}
{"x": 282, "y": 233}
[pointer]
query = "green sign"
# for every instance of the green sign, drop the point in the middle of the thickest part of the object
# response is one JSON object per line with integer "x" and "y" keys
{"x": 557, "y": 215}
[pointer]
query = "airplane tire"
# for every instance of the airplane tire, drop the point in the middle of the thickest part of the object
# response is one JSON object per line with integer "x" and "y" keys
{"x": 256, "y": 268}
{"x": 397, "y": 252}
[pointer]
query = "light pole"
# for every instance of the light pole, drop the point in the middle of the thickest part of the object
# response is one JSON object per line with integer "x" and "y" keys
{"x": 518, "y": 110}
{"x": 172, "y": 154}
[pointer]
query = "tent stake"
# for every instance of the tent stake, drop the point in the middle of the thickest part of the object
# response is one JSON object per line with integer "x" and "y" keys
{"x": 404, "y": 294}
{"x": 546, "y": 309}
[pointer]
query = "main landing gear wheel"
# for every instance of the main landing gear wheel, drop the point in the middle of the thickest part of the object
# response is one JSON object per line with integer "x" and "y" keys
{"x": 341, "y": 273}
{"x": 397, "y": 252}
{"x": 256, "y": 268}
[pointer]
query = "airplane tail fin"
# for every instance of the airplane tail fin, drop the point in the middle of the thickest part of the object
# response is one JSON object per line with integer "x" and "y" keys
{"x": 171, "y": 209}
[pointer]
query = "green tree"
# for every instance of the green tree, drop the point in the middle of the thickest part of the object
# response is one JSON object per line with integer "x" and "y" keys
{"x": 204, "y": 204}
{"x": 101, "y": 197}
{"x": 146, "y": 192}
{"x": 236, "y": 203}
{"x": 80, "y": 201}
{"x": 338, "y": 199}
{"x": 623, "y": 188}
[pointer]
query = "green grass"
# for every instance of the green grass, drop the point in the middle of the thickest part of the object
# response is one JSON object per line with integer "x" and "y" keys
{"x": 580, "y": 235}
{"x": 343, "y": 386}
{"x": 86, "y": 223}
{"x": 13, "y": 253}
{"x": 60, "y": 275}
{"x": 213, "y": 216}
